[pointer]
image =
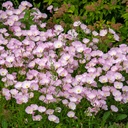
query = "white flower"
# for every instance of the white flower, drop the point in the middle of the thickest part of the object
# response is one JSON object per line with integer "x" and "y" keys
{"x": 58, "y": 109}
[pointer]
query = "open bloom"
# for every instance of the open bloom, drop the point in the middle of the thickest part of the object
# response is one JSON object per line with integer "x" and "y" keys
{"x": 103, "y": 32}
{"x": 71, "y": 114}
{"x": 29, "y": 110}
{"x": 52, "y": 118}
{"x": 26, "y": 84}
{"x": 118, "y": 85}
{"x": 78, "y": 89}
{"x": 3, "y": 72}
{"x": 114, "y": 108}
{"x": 58, "y": 44}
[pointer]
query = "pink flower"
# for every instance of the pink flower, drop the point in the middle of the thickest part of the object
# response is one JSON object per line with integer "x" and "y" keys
{"x": 111, "y": 31}
{"x": 37, "y": 118}
{"x": 91, "y": 95}
{"x": 114, "y": 108}
{"x": 73, "y": 33}
{"x": 26, "y": 4}
{"x": 103, "y": 32}
{"x": 71, "y": 114}
{"x": 13, "y": 92}
{"x": 29, "y": 110}
{"x": 42, "y": 97}
{"x": 116, "y": 37}
{"x": 78, "y": 89}
{"x": 52, "y": 118}
{"x": 49, "y": 111}
{"x": 76, "y": 23}
{"x": 58, "y": 28}
{"x": 95, "y": 40}
{"x": 103, "y": 79}
{"x": 49, "y": 97}
{"x": 118, "y": 98}
{"x": 83, "y": 26}
{"x": 58, "y": 44}
{"x": 3, "y": 72}
{"x": 34, "y": 106}
{"x": 85, "y": 40}
{"x": 7, "y": 4}
{"x": 118, "y": 75}
{"x": 18, "y": 85}
{"x": 116, "y": 93}
{"x": 72, "y": 105}
{"x": 95, "y": 33}
{"x": 50, "y": 7}
{"x": 9, "y": 12}
{"x": 118, "y": 85}
{"x": 41, "y": 109}
{"x": 65, "y": 102}
{"x": 10, "y": 22}
{"x": 80, "y": 49}
{"x": 26, "y": 84}
{"x": 10, "y": 59}
{"x": 125, "y": 88}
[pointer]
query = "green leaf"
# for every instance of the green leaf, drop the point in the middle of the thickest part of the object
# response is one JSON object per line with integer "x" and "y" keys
{"x": 113, "y": 20}
{"x": 127, "y": 125}
{"x": 50, "y": 2}
{"x": 121, "y": 117}
{"x": 105, "y": 117}
{"x": 27, "y": 15}
{"x": 33, "y": 10}
{"x": 71, "y": 9}
{"x": 59, "y": 126}
{"x": 37, "y": 5}
{"x": 4, "y": 124}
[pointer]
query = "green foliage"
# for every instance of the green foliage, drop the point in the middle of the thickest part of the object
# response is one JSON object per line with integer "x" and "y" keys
{"x": 28, "y": 17}
{"x": 105, "y": 117}
{"x": 13, "y": 115}
{"x": 92, "y": 11}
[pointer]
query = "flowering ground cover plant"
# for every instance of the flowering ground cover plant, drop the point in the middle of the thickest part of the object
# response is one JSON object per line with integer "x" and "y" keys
{"x": 66, "y": 78}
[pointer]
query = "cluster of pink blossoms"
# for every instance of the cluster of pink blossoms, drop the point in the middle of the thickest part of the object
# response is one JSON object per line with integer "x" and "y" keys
{"x": 47, "y": 61}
